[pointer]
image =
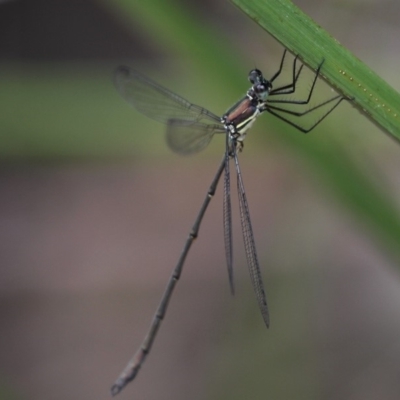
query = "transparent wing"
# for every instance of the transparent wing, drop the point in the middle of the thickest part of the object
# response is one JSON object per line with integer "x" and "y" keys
{"x": 227, "y": 219}
{"x": 185, "y": 137}
{"x": 250, "y": 247}
{"x": 155, "y": 101}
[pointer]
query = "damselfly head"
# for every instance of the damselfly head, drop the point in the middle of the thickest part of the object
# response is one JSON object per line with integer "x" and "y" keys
{"x": 261, "y": 87}
{"x": 255, "y": 76}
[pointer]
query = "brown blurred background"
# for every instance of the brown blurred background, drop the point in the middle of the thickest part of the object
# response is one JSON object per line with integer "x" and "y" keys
{"x": 94, "y": 211}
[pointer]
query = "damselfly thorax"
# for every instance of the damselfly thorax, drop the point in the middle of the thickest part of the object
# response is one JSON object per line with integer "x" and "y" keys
{"x": 242, "y": 115}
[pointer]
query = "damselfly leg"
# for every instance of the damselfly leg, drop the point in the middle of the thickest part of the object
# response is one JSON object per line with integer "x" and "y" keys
{"x": 290, "y": 89}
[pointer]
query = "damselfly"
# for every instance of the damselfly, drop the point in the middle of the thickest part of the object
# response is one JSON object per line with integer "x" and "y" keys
{"x": 190, "y": 128}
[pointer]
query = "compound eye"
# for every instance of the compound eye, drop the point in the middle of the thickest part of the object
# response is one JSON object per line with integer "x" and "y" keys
{"x": 255, "y": 76}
